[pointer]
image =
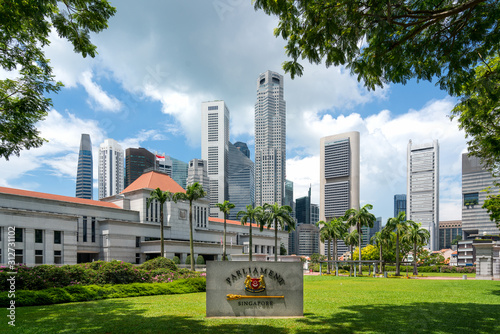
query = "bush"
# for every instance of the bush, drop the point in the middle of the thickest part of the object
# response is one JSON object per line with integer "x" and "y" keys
{"x": 78, "y": 293}
{"x": 176, "y": 260}
{"x": 159, "y": 263}
{"x": 188, "y": 259}
{"x": 200, "y": 260}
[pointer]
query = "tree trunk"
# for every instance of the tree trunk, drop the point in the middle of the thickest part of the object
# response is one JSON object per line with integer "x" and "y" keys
{"x": 328, "y": 258}
{"x": 397, "y": 254}
{"x": 224, "y": 256}
{"x": 415, "y": 271}
{"x": 359, "y": 247}
{"x": 381, "y": 260}
{"x": 351, "y": 269}
{"x": 162, "y": 247}
{"x": 335, "y": 257}
{"x": 275, "y": 240}
{"x": 250, "y": 242}
{"x": 191, "y": 246}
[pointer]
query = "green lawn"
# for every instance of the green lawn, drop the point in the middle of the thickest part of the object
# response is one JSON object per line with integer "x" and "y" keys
{"x": 331, "y": 305}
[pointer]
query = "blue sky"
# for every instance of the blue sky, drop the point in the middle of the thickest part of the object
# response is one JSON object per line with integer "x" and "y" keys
{"x": 158, "y": 62}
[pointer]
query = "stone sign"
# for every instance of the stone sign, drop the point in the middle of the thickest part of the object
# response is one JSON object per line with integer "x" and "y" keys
{"x": 255, "y": 289}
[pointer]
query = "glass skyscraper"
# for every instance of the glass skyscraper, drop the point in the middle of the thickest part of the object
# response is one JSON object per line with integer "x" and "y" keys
{"x": 399, "y": 204}
{"x": 240, "y": 180}
{"x": 84, "y": 174}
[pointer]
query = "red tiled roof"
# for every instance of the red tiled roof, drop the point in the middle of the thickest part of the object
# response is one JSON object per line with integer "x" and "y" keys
{"x": 35, "y": 194}
{"x": 153, "y": 180}
{"x": 228, "y": 221}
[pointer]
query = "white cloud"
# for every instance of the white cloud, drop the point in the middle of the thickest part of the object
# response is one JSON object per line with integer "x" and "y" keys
{"x": 384, "y": 140}
{"x": 141, "y": 136}
{"x": 99, "y": 99}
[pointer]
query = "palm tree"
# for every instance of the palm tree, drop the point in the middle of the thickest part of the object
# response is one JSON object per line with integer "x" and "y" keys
{"x": 418, "y": 237}
{"x": 360, "y": 218}
{"x": 161, "y": 197}
{"x": 252, "y": 214}
{"x": 399, "y": 225}
{"x": 324, "y": 234}
{"x": 193, "y": 192}
{"x": 352, "y": 240}
{"x": 225, "y": 208}
{"x": 280, "y": 216}
{"x": 378, "y": 239}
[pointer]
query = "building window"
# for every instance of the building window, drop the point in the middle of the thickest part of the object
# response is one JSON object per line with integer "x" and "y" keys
{"x": 93, "y": 229}
{"x": 38, "y": 256}
{"x": 137, "y": 258}
{"x": 57, "y": 257}
{"x": 471, "y": 199}
{"x": 84, "y": 226}
{"x": 38, "y": 236}
{"x": 57, "y": 237}
{"x": 19, "y": 235}
{"x": 19, "y": 255}
{"x": 137, "y": 241}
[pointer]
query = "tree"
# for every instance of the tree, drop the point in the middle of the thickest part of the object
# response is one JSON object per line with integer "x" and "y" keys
{"x": 282, "y": 249}
{"x": 249, "y": 216}
{"x": 456, "y": 42}
{"x": 379, "y": 240}
{"x": 335, "y": 229}
{"x": 162, "y": 197}
{"x": 360, "y": 218}
{"x": 325, "y": 235}
{"x": 351, "y": 239}
{"x": 24, "y": 31}
{"x": 225, "y": 208}
{"x": 417, "y": 236}
{"x": 399, "y": 225}
{"x": 492, "y": 205}
{"x": 193, "y": 192}
{"x": 278, "y": 217}
{"x": 370, "y": 252}
{"x": 456, "y": 240}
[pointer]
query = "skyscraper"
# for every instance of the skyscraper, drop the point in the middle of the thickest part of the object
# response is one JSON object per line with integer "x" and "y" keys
{"x": 339, "y": 177}
{"x": 179, "y": 171}
{"x": 84, "y": 174}
{"x": 423, "y": 188}
{"x": 270, "y": 139}
{"x": 243, "y": 148}
{"x": 303, "y": 209}
{"x": 137, "y": 161}
{"x": 240, "y": 180}
{"x": 214, "y": 149}
{"x": 111, "y": 180}
{"x": 475, "y": 178}
{"x": 198, "y": 172}
{"x": 399, "y": 204}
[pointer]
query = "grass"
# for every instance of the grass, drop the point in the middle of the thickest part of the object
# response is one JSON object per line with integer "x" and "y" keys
{"x": 331, "y": 305}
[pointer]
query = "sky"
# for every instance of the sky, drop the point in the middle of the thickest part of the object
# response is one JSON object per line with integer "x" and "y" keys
{"x": 159, "y": 60}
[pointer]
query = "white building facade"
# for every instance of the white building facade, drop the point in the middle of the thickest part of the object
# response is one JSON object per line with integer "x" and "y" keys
{"x": 270, "y": 139}
{"x": 214, "y": 150}
{"x": 111, "y": 168}
{"x": 422, "y": 190}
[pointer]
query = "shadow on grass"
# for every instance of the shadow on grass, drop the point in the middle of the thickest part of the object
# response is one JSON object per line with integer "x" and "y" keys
{"x": 120, "y": 316}
{"x": 413, "y": 318}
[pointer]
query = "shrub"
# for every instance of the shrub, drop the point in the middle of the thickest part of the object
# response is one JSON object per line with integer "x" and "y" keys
{"x": 117, "y": 272}
{"x": 200, "y": 260}
{"x": 158, "y": 263}
{"x": 188, "y": 259}
{"x": 176, "y": 260}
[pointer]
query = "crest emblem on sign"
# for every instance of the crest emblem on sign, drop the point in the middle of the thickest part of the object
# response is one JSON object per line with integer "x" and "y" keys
{"x": 255, "y": 284}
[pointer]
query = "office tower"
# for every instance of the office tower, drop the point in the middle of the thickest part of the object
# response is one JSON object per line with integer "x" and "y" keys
{"x": 399, "y": 204}
{"x": 339, "y": 177}
{"x": 314, "y": 213}
{"x": 448, "y": 232}
{"x": 423, "y": 188}
{"x": 289, "y": 195}
{"x": 270, "y": 139}
{"x": 179, "y": 171}
{"x": 111, "y": 180}
{"x": 214, "y": 149}
{"x": 164, "y": 164}
{"x": 84, "y": 174}
{"x": 377, "y": 227}
{"x": 475, "y": 178}
{"x": 198, "y": 172}
{"x": 303, "y": 208}
{"x": 240, "y": 181}
{"x": 307, "y": 239}
{"x": 243, "y": 148}
{"x": 137, "y": 161}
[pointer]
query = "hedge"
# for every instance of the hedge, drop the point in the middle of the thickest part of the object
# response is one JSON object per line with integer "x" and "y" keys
{"x": 80, "y": 293}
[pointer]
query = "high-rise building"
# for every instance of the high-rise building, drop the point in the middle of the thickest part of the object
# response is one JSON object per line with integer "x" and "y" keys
{"x": 289, "y": 196}
{"x": 307, "y": 239}
{"x": 84, "y": 174}
{"x": 270, "y": 139}
{"x": 243, "y": 148}
{"x": 164, "y": 164}
{"x": 399, "y": 204}
{"x": 137, "y": 161}
{"x": 423, "y": 188}
{"x": 215, "y": 150}
{"x": 314, "y": 213}
{"x": 240, "y": 180}
{"x": 339, "y": 178}
{"x": 111, "y": 180}
{"x": 198, "y": 172}
{"x": 179, "y": 171}
{"x": 303, "y": 209}
{"x": 475, "y": 178}
{"x": 448, "y": 232}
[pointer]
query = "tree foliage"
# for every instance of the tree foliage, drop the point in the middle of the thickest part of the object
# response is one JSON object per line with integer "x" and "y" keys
{"x": 161, "y": 197}
{"x": 276, "y": 216}
{"x": 24, "y": 31}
